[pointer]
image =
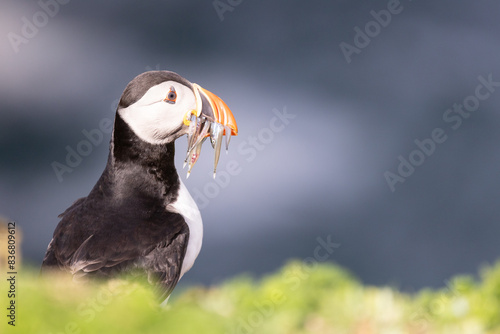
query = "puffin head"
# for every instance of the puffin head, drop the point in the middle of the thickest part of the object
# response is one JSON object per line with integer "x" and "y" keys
{"x": 158, "y": 106}
{"x": 161, "y": 106}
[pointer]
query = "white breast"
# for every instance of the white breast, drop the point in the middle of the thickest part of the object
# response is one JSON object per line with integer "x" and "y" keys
{"x": 186, "y": 206}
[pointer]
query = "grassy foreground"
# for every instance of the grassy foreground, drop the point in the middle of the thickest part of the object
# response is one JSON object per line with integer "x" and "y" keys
{"x": 321, "y": 298}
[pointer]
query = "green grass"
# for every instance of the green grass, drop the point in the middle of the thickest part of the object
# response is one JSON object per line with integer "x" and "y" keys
{"x": 297, "y": 299}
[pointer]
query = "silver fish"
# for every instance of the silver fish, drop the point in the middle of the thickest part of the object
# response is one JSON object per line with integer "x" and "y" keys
{"x": 216, "y": 134}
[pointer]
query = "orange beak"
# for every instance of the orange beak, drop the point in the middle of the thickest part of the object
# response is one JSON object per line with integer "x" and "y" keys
{"x": 213, "y": 108}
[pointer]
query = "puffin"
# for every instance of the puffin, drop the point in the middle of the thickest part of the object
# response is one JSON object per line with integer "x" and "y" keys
{"x": 139, "y": 216}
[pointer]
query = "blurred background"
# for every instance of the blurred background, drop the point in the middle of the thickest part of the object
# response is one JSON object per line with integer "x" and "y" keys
{"x": 330, "y": 99}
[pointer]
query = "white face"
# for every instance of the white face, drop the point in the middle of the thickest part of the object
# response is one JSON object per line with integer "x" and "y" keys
{"x": 153, "y": 119}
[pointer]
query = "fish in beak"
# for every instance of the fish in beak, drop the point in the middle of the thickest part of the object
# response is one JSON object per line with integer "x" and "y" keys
{"x": 212, "y": 118}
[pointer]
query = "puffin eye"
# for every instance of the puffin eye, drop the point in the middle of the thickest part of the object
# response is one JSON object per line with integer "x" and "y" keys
{"x": 171, "y": 96}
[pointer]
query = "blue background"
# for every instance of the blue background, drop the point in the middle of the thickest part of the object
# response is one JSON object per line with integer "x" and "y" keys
{"x": 319, "y": 175}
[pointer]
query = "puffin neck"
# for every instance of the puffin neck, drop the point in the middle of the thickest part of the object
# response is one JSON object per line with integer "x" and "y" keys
{"x": 128, "y": 148}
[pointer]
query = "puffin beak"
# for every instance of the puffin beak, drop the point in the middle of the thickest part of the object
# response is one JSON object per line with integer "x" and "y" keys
{"x": 211, "y": 118}
{"x": 212, "y": 107}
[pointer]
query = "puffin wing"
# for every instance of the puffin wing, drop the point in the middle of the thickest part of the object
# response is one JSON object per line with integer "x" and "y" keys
{"x": 111, "y": 243}
{"x": 164, "y": 264}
